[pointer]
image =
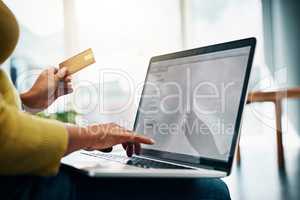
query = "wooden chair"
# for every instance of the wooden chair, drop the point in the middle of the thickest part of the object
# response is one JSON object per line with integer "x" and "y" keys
{"x": 275, "y": 97}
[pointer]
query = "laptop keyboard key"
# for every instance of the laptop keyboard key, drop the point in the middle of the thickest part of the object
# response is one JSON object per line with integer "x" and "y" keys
{"x": 135, "y": 161}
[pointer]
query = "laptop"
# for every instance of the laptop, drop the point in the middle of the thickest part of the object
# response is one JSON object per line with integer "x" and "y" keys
{"x": 191, "y": 105}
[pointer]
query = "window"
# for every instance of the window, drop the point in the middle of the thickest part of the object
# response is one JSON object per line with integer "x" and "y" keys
{"x": 41, "y": 39}
{"x": 210, "y": 22}
{"x": 124, "y": 36}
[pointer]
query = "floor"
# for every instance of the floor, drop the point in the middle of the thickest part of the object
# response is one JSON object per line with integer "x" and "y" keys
{"x": 258, "y": 177}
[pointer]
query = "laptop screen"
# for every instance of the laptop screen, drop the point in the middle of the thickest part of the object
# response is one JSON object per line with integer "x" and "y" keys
{"x": 190, "y": 104}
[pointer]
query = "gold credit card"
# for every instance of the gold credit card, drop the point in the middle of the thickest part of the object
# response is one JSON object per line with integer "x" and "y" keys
{"x": 79, "y": 61}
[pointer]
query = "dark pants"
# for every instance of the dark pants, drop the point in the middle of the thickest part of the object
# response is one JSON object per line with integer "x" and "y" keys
{"x": 71, "y": 185}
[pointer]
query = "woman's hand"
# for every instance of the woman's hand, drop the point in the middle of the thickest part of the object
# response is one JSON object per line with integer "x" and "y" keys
{"x": 51, "y": 84}
{"x": 103, "y": 137}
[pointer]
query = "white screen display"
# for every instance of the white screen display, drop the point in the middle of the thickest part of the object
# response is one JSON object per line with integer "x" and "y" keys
{"x": 190, "y": 105}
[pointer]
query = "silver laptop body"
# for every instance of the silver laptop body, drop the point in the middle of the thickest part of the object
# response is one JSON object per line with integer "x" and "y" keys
{"x": 192, "y": 104}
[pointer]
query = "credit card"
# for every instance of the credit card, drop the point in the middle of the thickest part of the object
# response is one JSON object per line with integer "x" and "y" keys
{"x": 79, "y": 61}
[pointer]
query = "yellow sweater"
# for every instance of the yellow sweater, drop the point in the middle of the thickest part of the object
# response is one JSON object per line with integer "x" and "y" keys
{"x": 28, "y": 144}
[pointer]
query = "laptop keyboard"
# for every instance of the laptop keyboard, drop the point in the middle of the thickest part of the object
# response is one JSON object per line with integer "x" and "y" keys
{"x": 145, "y": 163}
{"x": 135, "y": 161}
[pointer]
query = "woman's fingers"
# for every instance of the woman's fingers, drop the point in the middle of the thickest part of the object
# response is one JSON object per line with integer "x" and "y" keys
{"x": 137, "y": 148}
{"x": 133, "y": 144}
{"x": 131, "y": 137}
{"x": 129, "y": 149}
{"x": 108, "y": 135}
{"x": 68, "y": 79}
{"x": 65, "y": 88}
{"x": 68, "y": 88}
{"x": 107, "y": 150}
{"x": 60, "y": 74}
{"x": 132, "y": 141}
{"x": 141, "y": 139}
{"x": 124, "y": 146}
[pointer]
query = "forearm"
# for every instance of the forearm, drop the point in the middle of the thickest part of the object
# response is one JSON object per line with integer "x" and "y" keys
{"x": 76, "y": 134}
{"x": 76, "y": 137}
{"x": 30, "y": 104}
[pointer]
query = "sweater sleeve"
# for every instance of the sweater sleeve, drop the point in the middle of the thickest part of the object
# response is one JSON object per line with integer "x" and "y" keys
{"x": 29, "y": 144}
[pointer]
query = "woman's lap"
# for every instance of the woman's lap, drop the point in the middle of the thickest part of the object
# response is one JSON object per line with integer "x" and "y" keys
{"x": 70, "y": 185}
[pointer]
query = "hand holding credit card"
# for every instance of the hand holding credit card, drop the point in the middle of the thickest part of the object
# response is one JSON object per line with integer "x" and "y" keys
{"x": 79, "y": 61}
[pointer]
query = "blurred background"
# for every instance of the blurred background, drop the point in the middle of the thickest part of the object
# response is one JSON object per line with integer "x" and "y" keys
{"x": 124, "y": 35}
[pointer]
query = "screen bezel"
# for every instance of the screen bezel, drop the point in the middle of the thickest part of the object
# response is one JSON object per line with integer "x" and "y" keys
{"x": 203, "y": 161}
